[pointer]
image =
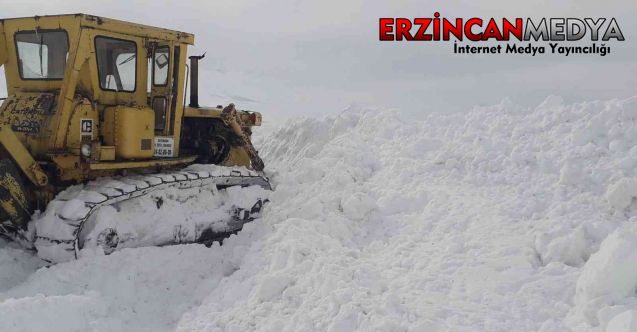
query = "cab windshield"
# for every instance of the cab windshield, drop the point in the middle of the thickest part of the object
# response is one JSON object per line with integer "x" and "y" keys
{"x": 42, "y": 54}
{"x": 116, "y": 63}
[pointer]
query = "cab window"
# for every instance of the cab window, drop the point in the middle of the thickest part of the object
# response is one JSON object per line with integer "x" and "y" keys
{"x": 117, "y": 63}
{"x": 42, "y": 54}
{"x": 161, "y": 60}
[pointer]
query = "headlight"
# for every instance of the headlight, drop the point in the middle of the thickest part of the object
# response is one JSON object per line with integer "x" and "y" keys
{"x": 86, "y": 150}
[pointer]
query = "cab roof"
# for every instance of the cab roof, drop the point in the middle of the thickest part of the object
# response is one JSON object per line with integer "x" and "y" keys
{"x": 103, "y": 23}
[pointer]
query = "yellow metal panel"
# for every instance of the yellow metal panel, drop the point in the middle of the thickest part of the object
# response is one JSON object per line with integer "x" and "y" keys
{"x": 83, "y": 114}
{"x": 107, "y": 126}
{"x": 107, "y": 153}
{"x": 131, "y": 130}
{"x": 69, "y": 167}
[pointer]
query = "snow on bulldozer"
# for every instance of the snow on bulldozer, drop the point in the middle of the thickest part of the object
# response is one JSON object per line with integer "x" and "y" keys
{"x": 98, "y": 148}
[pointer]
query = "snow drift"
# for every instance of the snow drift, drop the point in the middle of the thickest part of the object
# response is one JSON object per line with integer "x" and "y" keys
{"x": 500, "y": 219}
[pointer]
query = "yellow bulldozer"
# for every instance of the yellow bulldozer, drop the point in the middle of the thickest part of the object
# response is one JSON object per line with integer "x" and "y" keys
{"x": 95, "y": 116}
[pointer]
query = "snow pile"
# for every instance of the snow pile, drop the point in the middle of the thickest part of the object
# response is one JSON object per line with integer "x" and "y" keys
{"x": 474, "y": 221}
{"x": 609, "y": 281}
{"x": 624, "y": 322}
{"x": 145, "y": 289}
{"x": 501, "y": 219}
{"x": 621, "y": 193}
{"x": 15, "y": 265}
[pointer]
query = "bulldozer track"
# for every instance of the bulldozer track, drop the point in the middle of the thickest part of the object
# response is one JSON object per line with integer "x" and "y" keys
{"x": 63, "y": 242}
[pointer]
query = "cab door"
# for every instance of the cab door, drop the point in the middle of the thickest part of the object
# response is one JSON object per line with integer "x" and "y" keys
{"x": 163, "y": 96}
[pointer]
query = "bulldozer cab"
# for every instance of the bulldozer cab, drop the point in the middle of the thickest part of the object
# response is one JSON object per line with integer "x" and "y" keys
{"x": 109, "y": 62}
{"x": 91, "y": 95}
{"x": 85, "y": 92}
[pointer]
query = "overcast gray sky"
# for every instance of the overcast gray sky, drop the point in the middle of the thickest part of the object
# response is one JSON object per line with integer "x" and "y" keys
{"x": 296, "y": 57}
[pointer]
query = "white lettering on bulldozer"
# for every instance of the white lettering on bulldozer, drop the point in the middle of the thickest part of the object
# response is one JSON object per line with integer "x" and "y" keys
{"x": 164, "y": 147}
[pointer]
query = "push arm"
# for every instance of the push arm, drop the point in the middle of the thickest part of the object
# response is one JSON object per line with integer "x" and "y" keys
{"x": 22, "y": 157}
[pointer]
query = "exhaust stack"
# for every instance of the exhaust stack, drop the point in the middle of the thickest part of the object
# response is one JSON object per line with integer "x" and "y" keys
{"x": 194, "y": 79}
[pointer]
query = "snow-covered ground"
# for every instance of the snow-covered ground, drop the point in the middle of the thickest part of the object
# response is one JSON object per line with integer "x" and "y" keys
{"x": 500, "y": 219}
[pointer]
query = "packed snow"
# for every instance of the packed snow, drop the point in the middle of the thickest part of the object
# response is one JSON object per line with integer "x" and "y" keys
{"x": 499, "y": 219}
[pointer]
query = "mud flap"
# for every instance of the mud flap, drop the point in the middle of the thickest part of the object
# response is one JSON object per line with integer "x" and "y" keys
{"x": 14, "y": 206}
